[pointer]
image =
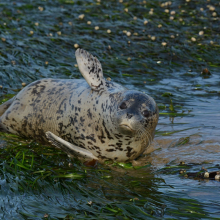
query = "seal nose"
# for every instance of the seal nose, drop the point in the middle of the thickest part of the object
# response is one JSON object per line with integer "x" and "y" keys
{"x": 129, "y": 115}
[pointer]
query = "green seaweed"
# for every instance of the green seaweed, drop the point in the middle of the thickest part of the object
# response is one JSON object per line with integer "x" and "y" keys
{"x": 163, "y": 57}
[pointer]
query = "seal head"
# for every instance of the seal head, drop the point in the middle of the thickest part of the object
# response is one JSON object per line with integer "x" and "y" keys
{"x": 137, "y": 114}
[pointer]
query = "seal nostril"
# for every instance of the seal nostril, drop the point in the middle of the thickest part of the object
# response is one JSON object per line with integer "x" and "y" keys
{"x": 129, "y": 115}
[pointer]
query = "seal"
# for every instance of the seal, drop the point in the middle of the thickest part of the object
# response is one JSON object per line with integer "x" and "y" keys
{"x": 92, "y": 118}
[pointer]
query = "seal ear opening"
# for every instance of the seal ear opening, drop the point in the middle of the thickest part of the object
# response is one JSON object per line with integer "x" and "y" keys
{"x": 91, "y": 69}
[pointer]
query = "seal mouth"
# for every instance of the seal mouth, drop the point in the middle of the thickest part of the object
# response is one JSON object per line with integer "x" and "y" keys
{"x": 126, "y": 127}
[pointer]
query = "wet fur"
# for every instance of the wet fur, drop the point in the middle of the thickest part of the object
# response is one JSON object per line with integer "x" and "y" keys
{"x": 86, "y": 118}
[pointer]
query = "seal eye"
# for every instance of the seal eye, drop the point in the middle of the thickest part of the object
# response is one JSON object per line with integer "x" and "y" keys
{"x": 123, "y": 105}
{"x": 146, "y": 113}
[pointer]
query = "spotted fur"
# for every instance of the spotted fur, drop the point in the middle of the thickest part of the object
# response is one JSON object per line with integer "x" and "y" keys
{"x": 84, "y": 113}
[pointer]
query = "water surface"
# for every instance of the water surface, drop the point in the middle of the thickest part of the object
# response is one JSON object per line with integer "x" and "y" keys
{"x": 38, "y": 40}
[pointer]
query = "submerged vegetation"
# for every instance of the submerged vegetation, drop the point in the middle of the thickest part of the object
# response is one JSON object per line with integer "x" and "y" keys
{"x": 169, "y": 50}
{"x": 38, "y": 181}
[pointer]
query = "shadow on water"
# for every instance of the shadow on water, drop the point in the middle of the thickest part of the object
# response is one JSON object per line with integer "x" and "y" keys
{"x": 160, "y": 48}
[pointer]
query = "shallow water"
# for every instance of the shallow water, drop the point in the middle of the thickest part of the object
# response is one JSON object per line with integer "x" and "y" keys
{"x": 37, "y": 41}
{"x": 202, "y": 125}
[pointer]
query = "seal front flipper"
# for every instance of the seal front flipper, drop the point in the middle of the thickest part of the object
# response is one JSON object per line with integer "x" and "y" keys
{"x": 91, "y": 69}
{"x": 69, "y": 148}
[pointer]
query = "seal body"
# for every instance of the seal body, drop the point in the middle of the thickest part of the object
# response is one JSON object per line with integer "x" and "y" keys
{"x": 106, "y": 119}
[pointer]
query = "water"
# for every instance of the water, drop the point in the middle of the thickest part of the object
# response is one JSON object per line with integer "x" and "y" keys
{"x": 37, "y": 41}
{"x": 202, "y": 125}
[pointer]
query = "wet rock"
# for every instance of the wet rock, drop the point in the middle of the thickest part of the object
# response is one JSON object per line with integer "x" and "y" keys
{"x": 205, "y": 72}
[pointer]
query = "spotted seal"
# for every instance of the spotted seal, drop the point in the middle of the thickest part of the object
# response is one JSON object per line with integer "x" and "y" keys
{"x": 92, "y": 118}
